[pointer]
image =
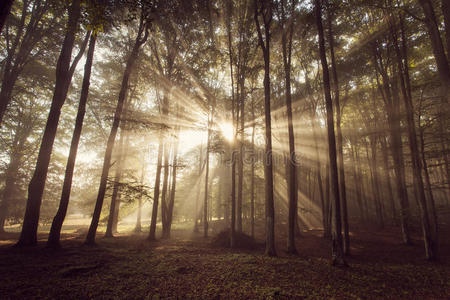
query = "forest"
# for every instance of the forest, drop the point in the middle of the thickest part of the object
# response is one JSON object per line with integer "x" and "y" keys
{"x": 224, "y": 149}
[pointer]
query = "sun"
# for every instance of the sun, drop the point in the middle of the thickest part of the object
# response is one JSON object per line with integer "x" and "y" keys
{"x": 227, "y": 130}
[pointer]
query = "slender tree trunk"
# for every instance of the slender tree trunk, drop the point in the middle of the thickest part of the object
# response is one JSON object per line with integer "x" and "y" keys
{"x": 357, "y": 179}
{"x": 342, "y": 189}
{"x": 165, "y": 185}
{"x": 430, "y": 246}
{"x": 138, "y": 227}
{"x": 10, "y": 183}
{"x": 266, "y": 12}
{"x": 205, "y": 203}
{"x": 28, "y": 235}
{"x": 437, "y": 45}
{"x": 393, "y": 116}
{"x": 197, "y": 199}
{"x": 286, "y": 43}
{"x": 252, "y": 180}
{"x": 241, "y": 98}
{"x": 337, "y": 247}
{"x": 55, "y": 230}
{"x": 391, "y": 200}
{"x": 152, "y": 234}
{"x": 169, "y": 217}
{"x": 140, "y": 40}
{"x": 375, "y": 181}
{"x": 116, "y": 187}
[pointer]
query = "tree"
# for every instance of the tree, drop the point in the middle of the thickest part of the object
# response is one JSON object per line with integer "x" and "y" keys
{"x": 337, "y": 247}
{"x": 55, "y": 230}
{"x": 287, "y": 27}
{"x": 28, "y": 235}
{"x": 263, "y": 9}
{"x": 141, "y": 38}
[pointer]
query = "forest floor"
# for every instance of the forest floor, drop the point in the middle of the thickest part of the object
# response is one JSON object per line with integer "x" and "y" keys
{"x": 188, "y": 266}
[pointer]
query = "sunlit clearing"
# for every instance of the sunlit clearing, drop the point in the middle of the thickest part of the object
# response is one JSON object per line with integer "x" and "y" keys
{"x": 227, "y": 130}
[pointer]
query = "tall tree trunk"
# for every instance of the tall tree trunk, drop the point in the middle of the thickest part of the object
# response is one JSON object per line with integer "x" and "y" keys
{"x": 166, "y": 231}
{"x": 205, "y": 203}
{"x": 337, "y": 247}
{"x": 116, "y": 187}
{"x": 55, "y": 230}
{"x": 152, "y": 233}
{"x": 384, "y": 150}
{"x": 140, "y": 40}
{"x": 28, "y": 235}
{"x": 402, "y": 65}
{"x": 357, "y": 184}
{"x": 373, "y": 162}
{"x": 252, "y": 179}
{"x": 241, "y": 98}
{"x": 437, "y": 45}
{"x": 264, "y": 8}
{"x": 197, "y": 198}
{"x": 286, "y": 44}
{"x": 138, "y": 227}
{"x": 339, "y": 133}
{"x": 11, "y": 174}
{"x": 392, "y": 109}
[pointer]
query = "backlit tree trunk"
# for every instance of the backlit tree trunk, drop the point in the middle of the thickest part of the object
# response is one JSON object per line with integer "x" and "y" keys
{"x": 140, "y": 40}
{"x": 28, "y": 235}
{"x": 55, "y": 230}
{"x": 337, "y": 247}
{"x": 263, "y": 8}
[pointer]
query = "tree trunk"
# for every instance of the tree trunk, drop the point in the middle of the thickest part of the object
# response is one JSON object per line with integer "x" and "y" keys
{"x": 166, "y": 231}
{"x": 116, "y": 187}
{"x": 197, "y": 199}
{"x": 393, "y": 116}
{"x": 28, "y": 235}
{"x": 357, "y": 184}
{"x": 384, "y": 150}
{"x": 437, "y": 45}
{"x": 252, "y": 179}
{"x": 140, "y": 40}
{"x": 375, "y": 181}
{"x": 55, "y": 230}
{"x": 205, "y": 203}
{"x": 339, "y": 134}
{"x": 430, "y": 246}
{"x": 286, "y": 43}
{"x": 152, "y": 233}
{"x": 138, "y": 227}
{"x": 337, "y": 247}
{"x": 241, "y": 97}
{"x": 268, "y": 171}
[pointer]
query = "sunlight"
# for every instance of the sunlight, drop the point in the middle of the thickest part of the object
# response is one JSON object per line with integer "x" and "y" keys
{"x": 227, "y": 130}
{"x": 191, "y": 138}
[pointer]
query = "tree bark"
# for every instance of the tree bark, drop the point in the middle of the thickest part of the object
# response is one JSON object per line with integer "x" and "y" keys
{"x": 140, "y": 40}
{"x": 55, "y": 230}
{"x": 337, "y": 247}
{"x": 28, "y": 235}
{"x": 266, "y": 12}
{"x": 152, "y": 233}
{"x": 286, "y": 44}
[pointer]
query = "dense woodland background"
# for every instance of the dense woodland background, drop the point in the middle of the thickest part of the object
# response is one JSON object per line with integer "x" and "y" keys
{"x": 266, "y": 119}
